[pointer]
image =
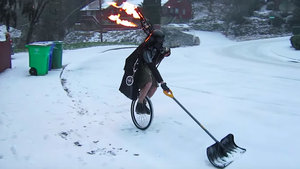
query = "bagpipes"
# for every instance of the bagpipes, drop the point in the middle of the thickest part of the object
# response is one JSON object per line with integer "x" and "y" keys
{"x": 145, "y": 23}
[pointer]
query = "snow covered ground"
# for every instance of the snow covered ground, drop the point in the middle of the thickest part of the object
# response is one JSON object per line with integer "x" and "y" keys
{"x": 77, "y": 118}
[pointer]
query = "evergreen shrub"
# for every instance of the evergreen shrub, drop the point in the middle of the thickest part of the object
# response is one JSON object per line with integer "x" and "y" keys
{"x": 296, "y": 30}
{"x": 295, "y": 41}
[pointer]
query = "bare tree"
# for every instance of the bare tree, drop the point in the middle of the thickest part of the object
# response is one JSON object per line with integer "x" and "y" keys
{"x": 33, "y": 10}
{"x": 8, "y": 13}
{"x": 210, "y": 5}
{"x": 296, "y": 13}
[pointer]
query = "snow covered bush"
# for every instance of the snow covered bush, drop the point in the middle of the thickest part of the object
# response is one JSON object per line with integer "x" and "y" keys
{"x": 295, "y": 41}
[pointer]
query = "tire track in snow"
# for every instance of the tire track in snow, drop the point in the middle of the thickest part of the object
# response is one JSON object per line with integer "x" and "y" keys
{"x": 64, "y": 82}
{"x": 75, "y": 135}
{"x": 64, "y": 79}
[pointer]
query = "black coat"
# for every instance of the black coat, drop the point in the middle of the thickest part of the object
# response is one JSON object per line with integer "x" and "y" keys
{"x": 131, "y": 91}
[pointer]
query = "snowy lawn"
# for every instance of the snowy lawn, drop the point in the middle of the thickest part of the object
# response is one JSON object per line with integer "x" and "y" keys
{"x": 76, "y": 118}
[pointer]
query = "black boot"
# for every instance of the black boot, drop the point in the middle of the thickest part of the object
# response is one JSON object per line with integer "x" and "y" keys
{"x": 140, "y": 108}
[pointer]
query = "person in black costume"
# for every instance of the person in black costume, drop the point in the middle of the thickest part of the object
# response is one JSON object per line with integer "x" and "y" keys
{"x": 148, "y": 77}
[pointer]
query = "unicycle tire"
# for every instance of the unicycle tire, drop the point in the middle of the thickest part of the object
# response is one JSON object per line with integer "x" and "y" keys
{"x": 142, "y": 121}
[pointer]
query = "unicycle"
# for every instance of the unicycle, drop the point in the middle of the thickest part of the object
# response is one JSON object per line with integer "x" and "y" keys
{"x": 142, "y": 121}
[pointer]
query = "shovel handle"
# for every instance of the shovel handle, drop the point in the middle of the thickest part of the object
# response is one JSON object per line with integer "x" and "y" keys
{"x": 169, "y": 93}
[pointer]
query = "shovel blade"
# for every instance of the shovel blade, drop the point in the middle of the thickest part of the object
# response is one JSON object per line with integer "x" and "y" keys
{"x": 223, "y": 153}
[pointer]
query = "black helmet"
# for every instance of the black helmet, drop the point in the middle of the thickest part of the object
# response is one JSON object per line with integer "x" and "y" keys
{"x": 158, "y": 36}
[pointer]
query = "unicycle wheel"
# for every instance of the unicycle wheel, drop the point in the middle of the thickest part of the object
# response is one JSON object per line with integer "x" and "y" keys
{"x": 142, "y": 121}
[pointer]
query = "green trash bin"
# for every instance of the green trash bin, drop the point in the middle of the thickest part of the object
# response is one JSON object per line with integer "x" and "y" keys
{"x": 57, "y": 55}
{"x": 39, "y": 53}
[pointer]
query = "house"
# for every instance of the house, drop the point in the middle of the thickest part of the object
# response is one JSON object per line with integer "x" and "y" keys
{"x": 177, "y": 11}
{"x": 94, "y": 19}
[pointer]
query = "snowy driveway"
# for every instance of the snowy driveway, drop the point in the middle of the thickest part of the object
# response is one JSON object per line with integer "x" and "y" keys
{"x": 78, "y": 119}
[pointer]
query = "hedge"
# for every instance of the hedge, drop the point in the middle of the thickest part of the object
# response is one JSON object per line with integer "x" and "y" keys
{"x": 296, "y": 30}
{"x": 295, "y": 41}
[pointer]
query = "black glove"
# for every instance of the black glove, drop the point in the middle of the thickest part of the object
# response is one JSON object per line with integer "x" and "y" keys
{"x": 165, "y": 51}
{"x": 165, "y": 87}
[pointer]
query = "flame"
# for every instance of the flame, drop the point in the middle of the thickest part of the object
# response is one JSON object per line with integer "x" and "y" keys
{"x": 130, "y": 9}
{"x": 117, "y": 19}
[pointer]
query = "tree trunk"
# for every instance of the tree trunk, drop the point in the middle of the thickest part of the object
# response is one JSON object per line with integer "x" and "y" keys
{"x": 100, "y": 20}
{"x": 29, "y": 33}
{"x": 210, "y": 7}
{"x": 37, "y": 11}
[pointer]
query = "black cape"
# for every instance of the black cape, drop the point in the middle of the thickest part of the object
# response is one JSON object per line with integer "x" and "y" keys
{"x": 131, "y": 91}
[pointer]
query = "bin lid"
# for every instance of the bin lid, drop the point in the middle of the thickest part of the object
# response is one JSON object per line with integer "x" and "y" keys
{"x": 58, "y": 42}
{"x": 45, "y": 43}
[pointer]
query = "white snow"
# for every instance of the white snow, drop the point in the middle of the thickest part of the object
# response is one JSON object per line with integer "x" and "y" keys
{"x": 250, "y": 89}
{"x": 14, "y": 33}
{"x": 179, "y": 25}
{"x": 45, "y": 43}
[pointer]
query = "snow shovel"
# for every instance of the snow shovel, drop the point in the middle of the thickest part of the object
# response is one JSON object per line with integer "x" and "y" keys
{"x": 223, "y": 152}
